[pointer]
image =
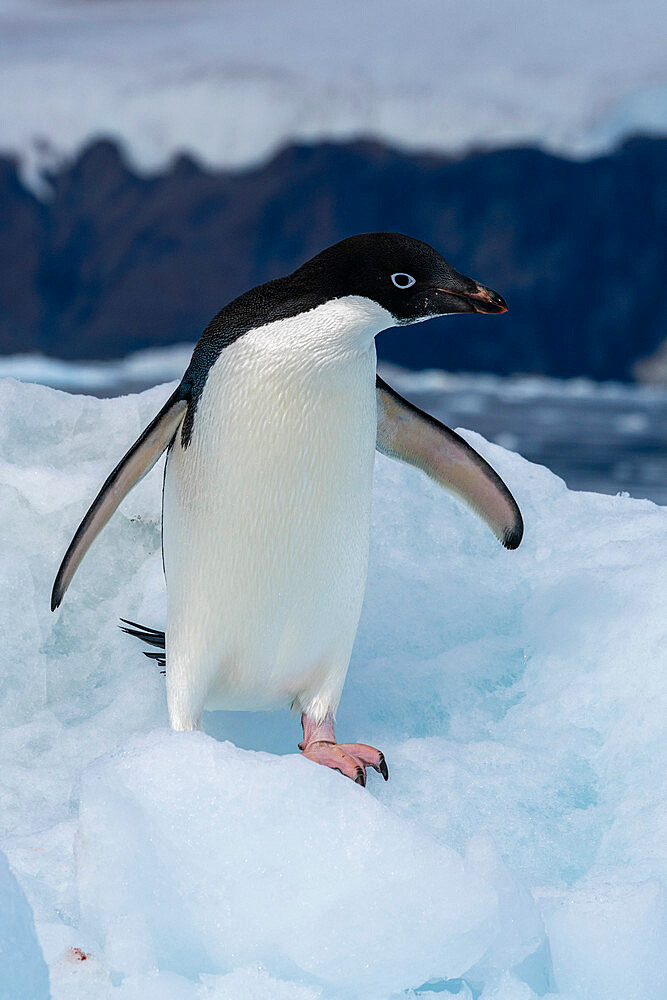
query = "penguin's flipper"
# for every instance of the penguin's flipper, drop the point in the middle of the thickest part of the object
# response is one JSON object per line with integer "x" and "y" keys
{"x": 139, "y": 460}
{"x": 408, "y": 434}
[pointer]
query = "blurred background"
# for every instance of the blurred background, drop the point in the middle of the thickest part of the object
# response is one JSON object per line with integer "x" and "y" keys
{"x": 158, "y": 157}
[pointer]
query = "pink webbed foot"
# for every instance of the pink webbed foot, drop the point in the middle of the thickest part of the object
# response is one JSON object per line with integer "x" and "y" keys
{"x": 351, "y": 759}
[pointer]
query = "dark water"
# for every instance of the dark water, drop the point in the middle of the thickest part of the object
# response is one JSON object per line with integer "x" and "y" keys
{"x": 604, "y": 438}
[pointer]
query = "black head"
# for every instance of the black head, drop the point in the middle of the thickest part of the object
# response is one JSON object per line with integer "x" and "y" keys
{"x": 406, "y": 277}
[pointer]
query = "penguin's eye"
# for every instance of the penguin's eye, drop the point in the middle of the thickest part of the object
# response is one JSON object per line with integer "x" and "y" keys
{"x": 402, "y": 280}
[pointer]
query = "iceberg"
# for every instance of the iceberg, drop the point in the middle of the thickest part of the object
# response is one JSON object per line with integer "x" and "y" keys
{"x": 518, "y": 849}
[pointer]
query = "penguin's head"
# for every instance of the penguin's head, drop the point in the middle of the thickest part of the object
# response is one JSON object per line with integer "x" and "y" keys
{"x": 407, "y": 278}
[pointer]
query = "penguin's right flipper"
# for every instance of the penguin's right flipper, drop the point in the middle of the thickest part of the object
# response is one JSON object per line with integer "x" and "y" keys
{"x": 139, "y": 460}
{"x": 408, "y": 434}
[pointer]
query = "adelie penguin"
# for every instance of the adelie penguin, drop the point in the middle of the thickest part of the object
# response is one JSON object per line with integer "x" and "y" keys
{"x": 270, "y": 440}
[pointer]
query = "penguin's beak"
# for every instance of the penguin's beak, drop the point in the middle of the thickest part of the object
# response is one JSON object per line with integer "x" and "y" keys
{"x": 478, "y": 299}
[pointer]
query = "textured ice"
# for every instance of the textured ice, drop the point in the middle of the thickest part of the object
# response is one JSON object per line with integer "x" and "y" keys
{"x": 232, "y": 82}
{"x": 23, "y": 971}
{"x": 589, "y": 931}
{"x": 518, "y": 849}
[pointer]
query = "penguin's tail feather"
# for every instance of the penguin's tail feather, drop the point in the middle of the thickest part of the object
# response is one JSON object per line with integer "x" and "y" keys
{"x": 149, "y": 635}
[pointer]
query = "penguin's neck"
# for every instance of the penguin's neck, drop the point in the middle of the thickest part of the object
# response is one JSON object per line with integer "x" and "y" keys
{"x": 337, "y": 330}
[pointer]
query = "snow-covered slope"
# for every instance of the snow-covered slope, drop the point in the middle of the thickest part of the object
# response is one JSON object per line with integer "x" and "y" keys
{"x": 232, "y": 81}
{"x": 519, "y": 846}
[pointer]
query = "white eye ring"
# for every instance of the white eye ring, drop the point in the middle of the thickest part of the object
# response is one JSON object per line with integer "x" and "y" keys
{"x": 403, "y": 280}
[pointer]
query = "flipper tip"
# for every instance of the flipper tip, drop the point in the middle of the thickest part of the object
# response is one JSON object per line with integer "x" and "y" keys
{"x": 513, "y": 536}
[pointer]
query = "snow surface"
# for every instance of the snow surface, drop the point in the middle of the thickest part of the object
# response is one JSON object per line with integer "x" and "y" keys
{"x": 231, "y": 82}
{"x": 518, "y": 849}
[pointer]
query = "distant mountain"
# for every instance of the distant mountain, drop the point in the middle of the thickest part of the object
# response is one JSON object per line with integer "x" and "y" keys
{"x": 230, "y": 83}
{"x": 113, "y": 262}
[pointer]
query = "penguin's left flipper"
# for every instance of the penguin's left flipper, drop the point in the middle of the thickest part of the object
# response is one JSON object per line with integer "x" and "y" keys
{"x": 139, "y": 460}
{"x": 408, "y": 434}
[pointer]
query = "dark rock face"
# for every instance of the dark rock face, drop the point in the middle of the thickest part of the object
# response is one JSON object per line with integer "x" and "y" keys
{"x": 114, "y": 262}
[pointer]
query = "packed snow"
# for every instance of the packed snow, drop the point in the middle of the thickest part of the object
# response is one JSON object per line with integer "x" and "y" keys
{"x": 232, "y": 82}
{"x": 519, "y": 847}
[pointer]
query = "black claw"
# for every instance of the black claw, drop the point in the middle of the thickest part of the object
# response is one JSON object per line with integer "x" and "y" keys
{"x": 384, "y": 770}
{"x": 360, "y": 778}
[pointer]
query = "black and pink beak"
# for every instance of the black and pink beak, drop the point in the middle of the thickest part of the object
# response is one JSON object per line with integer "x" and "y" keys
{"x": 474, "y": 298}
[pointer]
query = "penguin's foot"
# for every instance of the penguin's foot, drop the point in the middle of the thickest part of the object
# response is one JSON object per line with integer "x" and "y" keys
{"x": 351, "y": 759}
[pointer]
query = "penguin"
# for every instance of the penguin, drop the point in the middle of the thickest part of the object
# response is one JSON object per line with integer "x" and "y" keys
{"x": 271, "y": 438}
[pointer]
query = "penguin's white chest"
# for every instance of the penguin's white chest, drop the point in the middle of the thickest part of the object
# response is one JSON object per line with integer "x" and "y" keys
{"x": 267, "y": 513}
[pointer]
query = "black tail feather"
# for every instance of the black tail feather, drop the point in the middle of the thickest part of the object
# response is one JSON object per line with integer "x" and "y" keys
{"x": 158, "y": 657}
{"x": 150, "y": 635}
